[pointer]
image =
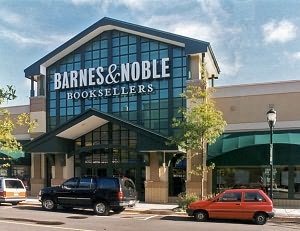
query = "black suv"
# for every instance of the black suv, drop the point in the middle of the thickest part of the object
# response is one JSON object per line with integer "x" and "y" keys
{"x": 100, "y": 193}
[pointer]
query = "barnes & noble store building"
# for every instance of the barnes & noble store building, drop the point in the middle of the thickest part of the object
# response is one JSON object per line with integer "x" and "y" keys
{"x": 104, "y": 102}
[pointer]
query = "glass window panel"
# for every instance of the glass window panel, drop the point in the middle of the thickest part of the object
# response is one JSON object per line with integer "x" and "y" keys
{"x": 163, "y": 93}
{"x": 124, "y": 40}
{"x": 164, "y": 113}
{"x": 177, "y": 92}
{"x": 132, "y": 116}
{"x": 88, "y": 55}
{"x": 164, "y": 84}
{"x": 52, "y": 112}
{"x": 163, "y": 54}
{"x": 145, "y": 47}
{"x": 145, "y": 56}
{"x": 96, "y": 63}
{"x": 153, "y": 55}
{"x": 115, "y": 51}
{"x": 95, "y": 54}
{"x": 177, "y": 62}
{"x": 104, "y": 53}
{"x": 177, "y": 82}
{"x": 77, "y": 57}
{"x": 63, "y": 111}
{"x": 177, "y": 52}
{"x": 132, "y": 39}
{"x": 96, "y": 45}
{"x": 104, "y": 44}
{"x": 115, "y": 42}
{"x": 132, "y": 49}
{"x": 124, "y": 50}
{"x": 132, "y": 58}
{"x": 77, "y": 66}
{"x": 155, "y": 104}
{"x": 153, "y": 45}
{"x": 70, "y": 67}
{"x": 154, "y": 114}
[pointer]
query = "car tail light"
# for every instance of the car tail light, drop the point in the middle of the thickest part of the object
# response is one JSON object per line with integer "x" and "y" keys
{"x": 120, "y": 195}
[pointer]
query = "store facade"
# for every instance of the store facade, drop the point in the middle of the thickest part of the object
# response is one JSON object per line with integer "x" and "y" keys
{"x": 242, "y": 153}
{"x": 104, "y": 102}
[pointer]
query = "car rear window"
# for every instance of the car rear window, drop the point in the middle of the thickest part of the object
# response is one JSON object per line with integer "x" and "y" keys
{"x": 253, "y": 197}
{"x": 13, "y": 184}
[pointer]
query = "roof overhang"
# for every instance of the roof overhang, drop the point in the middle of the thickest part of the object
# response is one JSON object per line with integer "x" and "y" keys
{"x": 61, "y": 139}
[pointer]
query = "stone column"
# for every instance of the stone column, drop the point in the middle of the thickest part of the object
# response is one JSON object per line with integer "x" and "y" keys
{"x": 37, "y": 180}
{"x": 156, "y": 184}
{"x": 57, "y": 176}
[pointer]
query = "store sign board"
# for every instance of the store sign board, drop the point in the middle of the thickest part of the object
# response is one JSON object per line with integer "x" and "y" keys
{"x": 126, "y": 73}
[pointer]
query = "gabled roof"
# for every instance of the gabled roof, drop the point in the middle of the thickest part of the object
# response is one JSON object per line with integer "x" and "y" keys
{"x": 192, "y": 46}
{"x": 61, "y": 139}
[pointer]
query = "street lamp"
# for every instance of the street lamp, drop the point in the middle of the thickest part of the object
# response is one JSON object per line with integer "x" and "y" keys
{"x": 271, "y": 117}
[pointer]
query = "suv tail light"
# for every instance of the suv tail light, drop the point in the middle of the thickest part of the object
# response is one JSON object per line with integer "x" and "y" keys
{"x": 120, "y": 195}
{"x": 3, "y": 194}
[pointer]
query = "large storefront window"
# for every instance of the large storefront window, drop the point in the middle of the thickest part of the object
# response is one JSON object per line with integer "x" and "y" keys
{"x": 153, "y": 110}
{"x": 286, "y": 180}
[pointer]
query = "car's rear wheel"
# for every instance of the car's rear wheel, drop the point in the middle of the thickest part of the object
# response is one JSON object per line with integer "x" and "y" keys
{"x": 101, "y": 208}
{"x": 201, "y": 216}
{"x": 49, "y": 204}
{"x": 260, "y": 218}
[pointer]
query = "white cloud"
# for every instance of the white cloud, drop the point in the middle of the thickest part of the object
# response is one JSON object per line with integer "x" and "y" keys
{"x": 23, "y": 39}
{"x": 296, "y": 55}
{"x": 104, "y": 4}
{"x": 10, "y": 17}
{"x": 282, "y": 31}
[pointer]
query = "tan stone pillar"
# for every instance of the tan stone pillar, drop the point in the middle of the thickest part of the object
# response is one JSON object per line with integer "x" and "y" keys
{"x": 60, "y": 162}
{"x": 156, "y": 184}
{"x": 37, "y": 180}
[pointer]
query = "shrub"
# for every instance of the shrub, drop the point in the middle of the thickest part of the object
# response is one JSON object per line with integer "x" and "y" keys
{"x": 186, "y": 199}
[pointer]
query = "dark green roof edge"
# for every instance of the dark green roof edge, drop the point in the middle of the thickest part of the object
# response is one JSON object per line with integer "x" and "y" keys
{"x": 192, "y": 46}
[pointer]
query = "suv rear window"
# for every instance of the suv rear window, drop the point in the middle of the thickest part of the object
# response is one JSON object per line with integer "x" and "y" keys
{"x": 104, "y": 183}
{"x": 129, "y": 185}
{"x": 13, "y": 184}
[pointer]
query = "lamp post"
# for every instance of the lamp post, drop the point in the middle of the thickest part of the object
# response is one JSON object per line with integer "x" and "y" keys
{"x": 271, "y": 118}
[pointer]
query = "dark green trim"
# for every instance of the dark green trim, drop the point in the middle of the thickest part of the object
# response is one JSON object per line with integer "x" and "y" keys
{"x": 49, "y": 142}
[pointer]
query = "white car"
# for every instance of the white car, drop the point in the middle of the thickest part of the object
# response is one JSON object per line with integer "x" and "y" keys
{"x": 12, "y": 190}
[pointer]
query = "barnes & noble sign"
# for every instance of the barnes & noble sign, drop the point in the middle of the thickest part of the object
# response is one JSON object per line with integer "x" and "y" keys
{"x": 127, "y": 73}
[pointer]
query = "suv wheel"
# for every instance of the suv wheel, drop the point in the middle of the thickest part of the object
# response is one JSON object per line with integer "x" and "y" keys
{"x": 101, "y": 208}
{"x": 48, "y": 204}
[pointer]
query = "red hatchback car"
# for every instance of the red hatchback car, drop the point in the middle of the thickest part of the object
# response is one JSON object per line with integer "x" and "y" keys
{"x": 242, "y": 204}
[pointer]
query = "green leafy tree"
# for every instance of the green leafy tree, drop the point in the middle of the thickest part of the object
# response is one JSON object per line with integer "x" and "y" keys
{"x": 201, "y": 124}
{"x": 8, "y": 141}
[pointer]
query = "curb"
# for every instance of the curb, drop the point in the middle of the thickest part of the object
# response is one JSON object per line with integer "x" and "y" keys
{"x": 276, "y": 219}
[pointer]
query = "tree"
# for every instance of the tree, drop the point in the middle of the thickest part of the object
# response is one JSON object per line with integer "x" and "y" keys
{"x": 201, "y": 124}
{"x": 8, "y": 142}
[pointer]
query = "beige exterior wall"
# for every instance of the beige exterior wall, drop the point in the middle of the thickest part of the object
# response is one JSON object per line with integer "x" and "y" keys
{"x": 244, "y": 107}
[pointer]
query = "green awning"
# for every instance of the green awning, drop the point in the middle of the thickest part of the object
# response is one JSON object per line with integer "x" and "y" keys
{"x": 234, "y": 141}
{"x": 13, "y": 154}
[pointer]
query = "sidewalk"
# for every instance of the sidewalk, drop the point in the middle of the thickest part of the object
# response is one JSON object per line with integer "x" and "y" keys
{"x": 168, "y": 209}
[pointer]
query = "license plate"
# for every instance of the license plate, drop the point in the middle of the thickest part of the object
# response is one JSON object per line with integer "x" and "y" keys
{"x": 16, "y": 194}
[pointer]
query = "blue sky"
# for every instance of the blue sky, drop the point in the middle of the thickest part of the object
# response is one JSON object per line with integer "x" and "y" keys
{"x": 253, "y": 40}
